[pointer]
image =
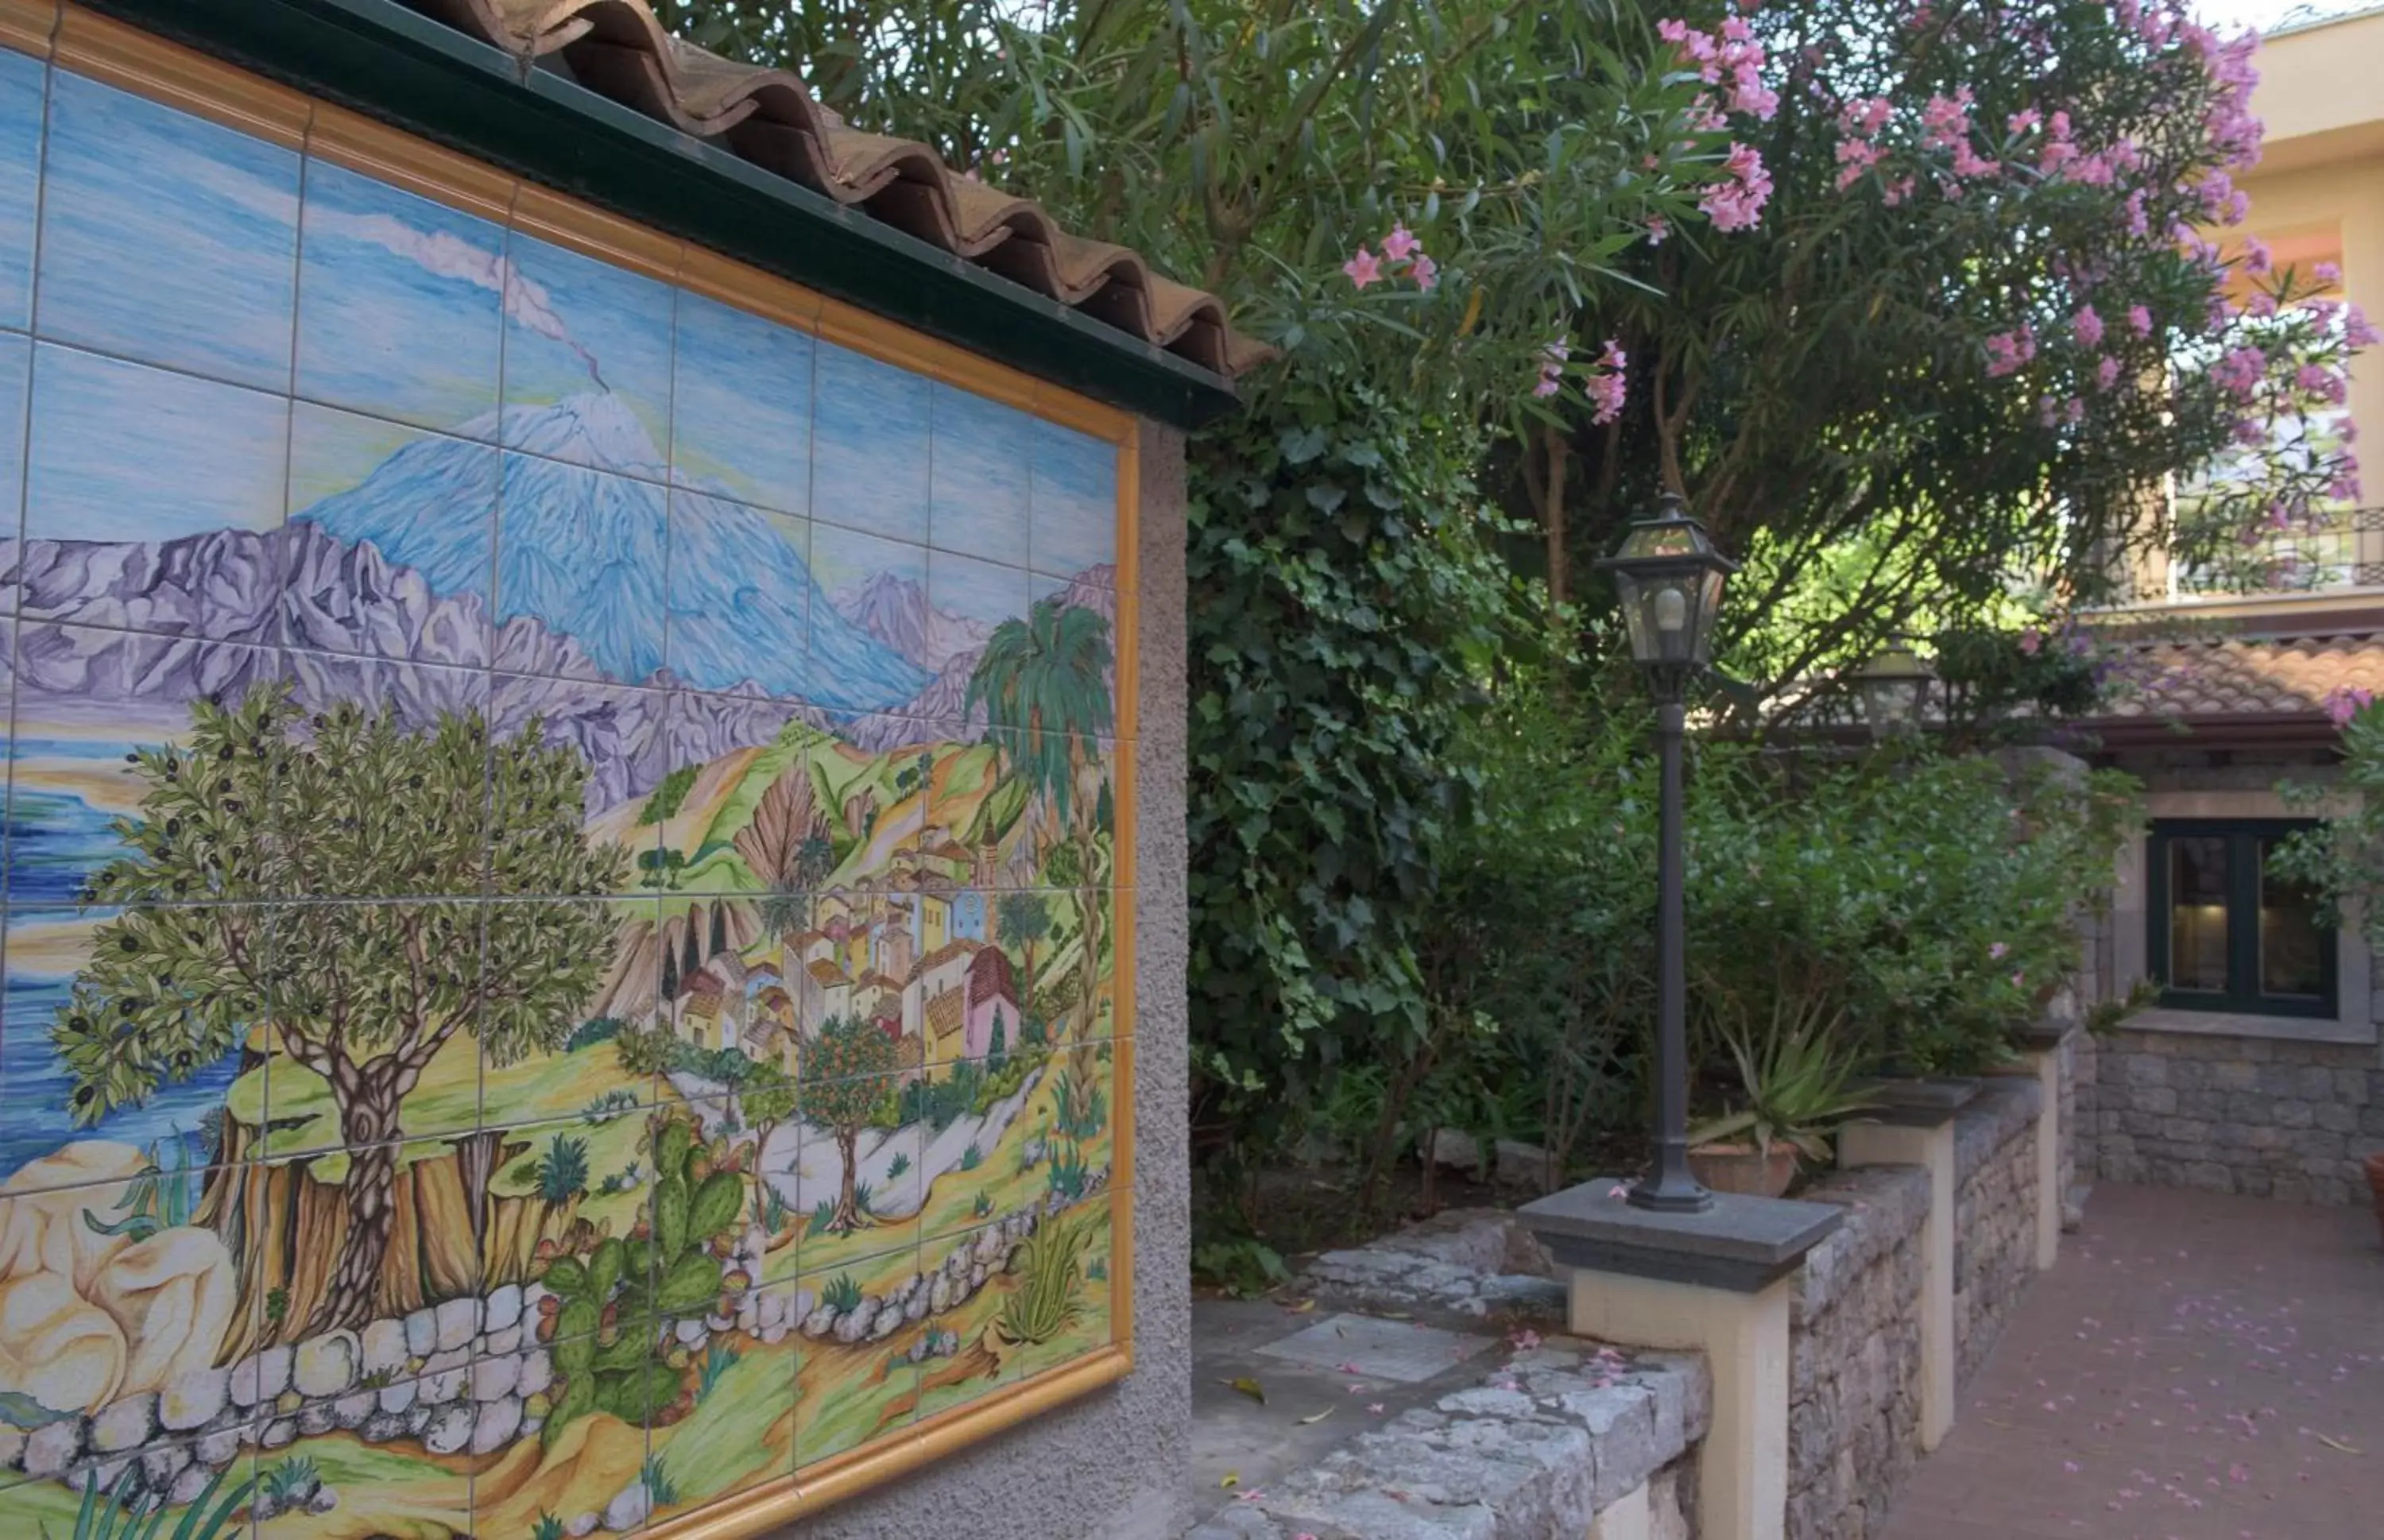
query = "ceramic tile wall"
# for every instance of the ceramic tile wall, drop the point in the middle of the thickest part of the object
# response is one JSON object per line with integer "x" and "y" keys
{"x": 557, "y": 899}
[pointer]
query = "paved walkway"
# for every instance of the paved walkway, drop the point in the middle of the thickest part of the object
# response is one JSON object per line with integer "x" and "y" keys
{"x": 2195, "y": 1368}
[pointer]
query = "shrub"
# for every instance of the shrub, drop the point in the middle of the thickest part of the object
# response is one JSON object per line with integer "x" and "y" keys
{"x": 665, "y": 803}
{"x": 842, "y": 1295}
{"x": 1050, "y": 1270}
{"x": 972, "y": 1158}
{"x": 594, "y": 1030}
{"x": 562, "y": 1172}
{"x": 659, "y": 1486}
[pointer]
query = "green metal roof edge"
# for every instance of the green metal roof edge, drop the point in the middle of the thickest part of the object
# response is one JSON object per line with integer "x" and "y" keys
{"x": 407, "y": 69}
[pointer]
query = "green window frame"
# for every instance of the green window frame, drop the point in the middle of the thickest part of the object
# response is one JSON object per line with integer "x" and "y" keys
{"x": 2205, "y": 880}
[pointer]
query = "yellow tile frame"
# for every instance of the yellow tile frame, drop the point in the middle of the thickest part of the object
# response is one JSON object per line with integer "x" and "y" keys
{"x": 88, "y": 44}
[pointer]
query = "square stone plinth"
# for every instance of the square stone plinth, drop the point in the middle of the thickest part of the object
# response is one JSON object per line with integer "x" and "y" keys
{"x": 1742, "y": 1244}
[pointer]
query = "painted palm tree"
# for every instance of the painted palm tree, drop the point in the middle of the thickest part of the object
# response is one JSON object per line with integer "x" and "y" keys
{"x": 1042, "y": 683}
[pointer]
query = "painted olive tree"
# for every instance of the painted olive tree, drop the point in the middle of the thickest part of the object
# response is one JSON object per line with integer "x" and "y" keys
{"x": 267, "y": 804}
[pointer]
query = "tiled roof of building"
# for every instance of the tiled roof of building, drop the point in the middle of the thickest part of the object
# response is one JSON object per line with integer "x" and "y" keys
{"x": 989, "y": 978}
{"x": 2247, "y": 675}
{"x": 951, "y": 951}
{"x": 768, "y": 117}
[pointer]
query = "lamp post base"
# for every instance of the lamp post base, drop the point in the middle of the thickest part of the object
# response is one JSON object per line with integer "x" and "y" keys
{"x": 1674, "y": 1193}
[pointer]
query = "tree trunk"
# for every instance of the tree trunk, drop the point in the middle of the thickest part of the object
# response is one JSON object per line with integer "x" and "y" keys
{"x": 1552, "y": 515}
{"x": 368, "y": 1125}
{"x": 846, "y": 1217}
{"x": 1089, "y": 1004}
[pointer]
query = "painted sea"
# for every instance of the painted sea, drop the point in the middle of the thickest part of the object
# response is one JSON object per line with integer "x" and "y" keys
{"x": 56, "y": 841}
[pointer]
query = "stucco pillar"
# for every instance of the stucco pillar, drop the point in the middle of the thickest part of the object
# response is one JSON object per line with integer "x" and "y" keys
{"x": 1918, "y": 1142}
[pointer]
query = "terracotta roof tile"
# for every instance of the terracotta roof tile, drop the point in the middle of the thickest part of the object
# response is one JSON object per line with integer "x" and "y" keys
{"x": 768, "y": 117}
{"x": 2246, "y": 675}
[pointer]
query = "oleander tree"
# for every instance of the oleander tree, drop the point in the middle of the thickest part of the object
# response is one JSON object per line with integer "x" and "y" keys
{"x": 1993, "y": 306}
{"x": 267, "y": 803}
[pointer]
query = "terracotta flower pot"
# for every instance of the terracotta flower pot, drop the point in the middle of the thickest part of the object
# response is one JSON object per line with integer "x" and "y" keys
{"x": 1742, "y": 1169}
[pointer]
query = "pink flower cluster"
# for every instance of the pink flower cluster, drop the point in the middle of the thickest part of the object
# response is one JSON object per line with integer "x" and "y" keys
{"x": 1608, "y": 386}
{"x": 1945, "y": 120}
{"x": 1735, "y": 55}
{"x": 2326, "y": 385}
{"x": 1401, "y": 251}
{"x": 2087, "y": 327}
{"x": 2345, "y": 701}
{"x": 2009, "y": 351}
{"x": 1737, "y": 204}
{"x": 1859, "y": 123}
{"x": 2240, "y": 372}
{"x": 1552, "y": 363}
{"x": 1734, "y": 59}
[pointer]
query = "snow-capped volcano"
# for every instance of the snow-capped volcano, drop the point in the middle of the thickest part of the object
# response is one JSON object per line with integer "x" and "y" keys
{"x": 590, "y": 542}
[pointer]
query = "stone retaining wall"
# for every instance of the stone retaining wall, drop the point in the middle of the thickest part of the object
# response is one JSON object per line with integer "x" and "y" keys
{"x": 2262, "y": 1117}
{"x": 1568, "y": 1440}
{"x": 1994, "y": 1225}
{"x": 1853, "y": 1356}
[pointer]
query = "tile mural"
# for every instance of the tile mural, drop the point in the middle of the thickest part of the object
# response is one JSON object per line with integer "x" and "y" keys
{"x": 560, "y": 960}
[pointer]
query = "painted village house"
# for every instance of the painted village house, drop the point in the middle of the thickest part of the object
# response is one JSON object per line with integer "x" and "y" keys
{"x": 567, "y": 480}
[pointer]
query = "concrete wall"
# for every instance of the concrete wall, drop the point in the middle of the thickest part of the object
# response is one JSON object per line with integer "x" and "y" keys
{"x": 1111, "y": 1466}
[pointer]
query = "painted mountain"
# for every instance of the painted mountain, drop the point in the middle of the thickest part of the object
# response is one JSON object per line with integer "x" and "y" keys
{"x": 592, "y": 546}
{"x": 896, "y": 612}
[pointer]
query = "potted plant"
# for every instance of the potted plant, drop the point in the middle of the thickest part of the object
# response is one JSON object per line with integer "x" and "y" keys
{"x": 1799, "y": 1084}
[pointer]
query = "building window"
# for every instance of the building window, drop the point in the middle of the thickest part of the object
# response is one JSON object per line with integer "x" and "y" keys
{"x": 2228, "y": 932}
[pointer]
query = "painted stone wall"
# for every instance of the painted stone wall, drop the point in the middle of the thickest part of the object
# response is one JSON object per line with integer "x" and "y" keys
{"x": 562, "y": 937}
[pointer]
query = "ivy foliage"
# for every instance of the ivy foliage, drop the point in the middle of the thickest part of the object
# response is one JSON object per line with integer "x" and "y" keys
{"x": 1347, "y": 606}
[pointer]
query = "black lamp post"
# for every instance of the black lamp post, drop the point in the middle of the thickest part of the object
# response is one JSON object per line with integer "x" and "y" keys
{"x": 1669, "y": 578}
{"x": 1893, "y": 688}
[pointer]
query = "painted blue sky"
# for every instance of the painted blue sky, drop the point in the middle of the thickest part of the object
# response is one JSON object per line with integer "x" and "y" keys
{"x": 741, "y": 405}
{"x": 975, "y": 590}
{"x": 845, "y": 558}
{"x": 14, "y": 363}
{"x": 869, "y": 433}
{"x": 1075, "y": 501}
{"x": 202, "y": 279}
{"x": 578, "y": 323}
{"x": 178, "y": 243}
{"x": 210, "y": 456}
{"x": 398, "y": 304}
{"x": 977, "y": 475}
{"x": 21, "y": 81}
